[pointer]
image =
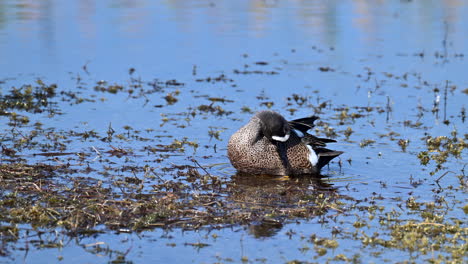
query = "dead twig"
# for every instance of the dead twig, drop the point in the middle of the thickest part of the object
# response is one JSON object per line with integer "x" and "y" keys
{"x": 200, "y": 166}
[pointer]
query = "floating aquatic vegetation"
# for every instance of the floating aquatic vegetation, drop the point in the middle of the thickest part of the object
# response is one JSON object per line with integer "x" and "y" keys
{"x": 440, "y": 148}
{"x": 255, "y": 72}
{"x": 103, "y": 86}
{"x": 326, "y": 69}
{"x": 39, "y": 195}
{"x": 84, "y": 181}
{"x": 366, "y": 142}
{"x": 348, "y": 132}
{"x": 221, "y": 78}
{"x": 268, "y": 104}
{"x": 246, "y": 109}
{"x": 211, "y": 108}
{"x": 215, "y": 132}
{"x": 30, "y": 98}
{"x": 403, "y": 143}
{"x": 171, "y": 97}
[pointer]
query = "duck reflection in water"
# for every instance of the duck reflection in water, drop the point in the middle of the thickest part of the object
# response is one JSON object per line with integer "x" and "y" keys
{"x": 271, "y": 201}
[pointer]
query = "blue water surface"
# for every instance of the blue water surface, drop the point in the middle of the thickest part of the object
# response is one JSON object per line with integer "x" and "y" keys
{"x": 355, "y": 54}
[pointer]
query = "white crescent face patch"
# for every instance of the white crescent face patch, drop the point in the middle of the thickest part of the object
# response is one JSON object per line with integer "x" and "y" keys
{"x": 281, "y": 139}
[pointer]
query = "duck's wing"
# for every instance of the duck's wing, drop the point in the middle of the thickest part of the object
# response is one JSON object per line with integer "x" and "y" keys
{"x": 315, "y": 142}
{"x": 303, "y": 124}
{"x": 325, "y": 156}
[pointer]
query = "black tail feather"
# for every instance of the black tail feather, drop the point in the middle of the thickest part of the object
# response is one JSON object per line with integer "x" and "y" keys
{"x": 303, "y": 124}
{"x": 325, "y": 156}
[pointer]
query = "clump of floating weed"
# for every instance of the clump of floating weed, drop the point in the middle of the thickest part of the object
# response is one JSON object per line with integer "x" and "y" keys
{"x": 426, "y": 237}
{"x": 327, "y": 243}
{"x": 440, "y": 148}
{"x": 246, "y": 109}
{"x": 344, "y": 116}
{"x": 103, "y": 86}
{"x": 219, "y": 99}
{"x": 429, "y": 233}
{"x": 29, "y": 197}
{"x": 409, "y": 123}
{"x": 327, "y": 130}
{"x": 171, "y": 97}
{"x": 221, "y": 78}
{"x": 9, "y": 233}
{"x": 268, "y": 104}
{"x": 453, "y": 145}
{"x": 403, "y": 143}
{"x": 392, "y": 135}
{"x": 17, "y": 120}
{"x": 348, "y": 132}
{"x": 298, "y": 99}
{"x": 366, "y": 142}
{"x": 175, "y": 145}
{"x": 35, "y": 99}
{"x": 215, "y": 132}
{"x": 211, "y": 108}
{"x": 136, "y": 88}
{"x": 255, "y": 72}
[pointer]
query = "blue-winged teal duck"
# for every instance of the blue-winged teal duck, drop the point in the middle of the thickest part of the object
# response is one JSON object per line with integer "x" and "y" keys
{"x": 269, "y": 144}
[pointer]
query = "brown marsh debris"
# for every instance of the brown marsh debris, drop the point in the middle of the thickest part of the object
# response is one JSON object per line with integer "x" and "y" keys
{"x": 43, "y": 196}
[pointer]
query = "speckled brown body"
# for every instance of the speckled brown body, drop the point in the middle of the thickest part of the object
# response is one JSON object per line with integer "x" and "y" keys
{"x": 251, "y": 152}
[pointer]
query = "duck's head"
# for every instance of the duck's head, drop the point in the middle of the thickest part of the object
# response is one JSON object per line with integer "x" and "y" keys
{"x": 274, "y": 126}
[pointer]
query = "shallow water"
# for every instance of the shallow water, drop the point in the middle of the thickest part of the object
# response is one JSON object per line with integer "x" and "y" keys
{"x": 398, "y": 66}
